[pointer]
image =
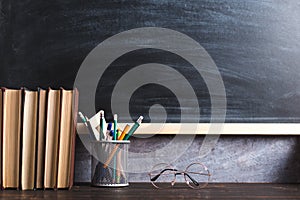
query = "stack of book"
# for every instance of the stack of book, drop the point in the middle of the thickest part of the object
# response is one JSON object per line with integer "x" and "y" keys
{"x": 37, "y": 138}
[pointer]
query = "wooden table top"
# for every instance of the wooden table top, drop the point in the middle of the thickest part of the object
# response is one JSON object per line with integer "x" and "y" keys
{"x": 181, "y": 191}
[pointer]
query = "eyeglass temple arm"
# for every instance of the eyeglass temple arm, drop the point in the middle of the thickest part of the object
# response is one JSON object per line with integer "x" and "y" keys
{"x": 156, "y": 177}
{"x": 193, "y": 180}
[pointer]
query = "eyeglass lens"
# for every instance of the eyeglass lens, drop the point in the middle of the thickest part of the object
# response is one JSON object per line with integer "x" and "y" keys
{"x": 199, "y": 173}
{"x": 162, "y": 175}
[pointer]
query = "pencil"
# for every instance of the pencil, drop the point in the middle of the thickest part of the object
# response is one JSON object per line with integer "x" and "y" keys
{"x": 124, "y": 132}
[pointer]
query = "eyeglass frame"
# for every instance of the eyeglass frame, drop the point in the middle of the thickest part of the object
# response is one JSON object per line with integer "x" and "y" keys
{"x": 180, "y": 173}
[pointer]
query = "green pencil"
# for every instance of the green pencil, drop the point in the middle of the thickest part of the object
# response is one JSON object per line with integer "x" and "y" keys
{"x": 134, "y": 127}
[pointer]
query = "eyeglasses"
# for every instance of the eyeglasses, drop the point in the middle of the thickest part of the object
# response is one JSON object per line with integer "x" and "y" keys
{"x": 163, "y": 175}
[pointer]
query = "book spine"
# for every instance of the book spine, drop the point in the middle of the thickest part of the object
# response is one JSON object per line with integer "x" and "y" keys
{"x": 29, "y": 139}
{"x": 75, "y": 115}
{"x": 1, "y": 134}
{"x": 65, "y": 140}
{"x": 11, "y": 138}
{"x": 41, "y": 135}
{"x": 52, "y": 135}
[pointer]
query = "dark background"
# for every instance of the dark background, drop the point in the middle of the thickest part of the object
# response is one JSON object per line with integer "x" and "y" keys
{"x": 255, "y": 44}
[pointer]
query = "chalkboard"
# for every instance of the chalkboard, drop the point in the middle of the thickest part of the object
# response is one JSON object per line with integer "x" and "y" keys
{"x": 254, "y": 44}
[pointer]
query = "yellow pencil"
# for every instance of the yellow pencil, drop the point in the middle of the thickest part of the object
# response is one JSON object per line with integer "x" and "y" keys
{"x": 126, "y": 129}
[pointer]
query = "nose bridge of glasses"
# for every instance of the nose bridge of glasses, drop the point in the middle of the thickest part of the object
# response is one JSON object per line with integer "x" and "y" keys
{"x": 186, "y": 174}
{"x": 179, "y": 173}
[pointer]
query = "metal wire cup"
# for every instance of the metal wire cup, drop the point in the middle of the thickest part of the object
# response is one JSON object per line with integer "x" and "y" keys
{"x": 109, "y": 163}
{"x": 163, "y": 175}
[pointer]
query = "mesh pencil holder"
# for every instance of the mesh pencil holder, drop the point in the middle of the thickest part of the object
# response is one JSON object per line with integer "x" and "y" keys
{"x": 109, "y": 163}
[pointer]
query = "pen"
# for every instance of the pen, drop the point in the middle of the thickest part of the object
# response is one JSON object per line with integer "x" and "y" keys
{"x": 109, "y": 126}
{"x": 87, "y": 124}
{"x": 108, "y": 131}
{"x": 102, "y": 126}
{"x": 118, "y": 133}
{"x": 115, "y": 138}
{"x": 134, "y": 127}
{"x": 125, "y": 130}
{"x": 83, "y": 118}
{"x": 115, "y": 126}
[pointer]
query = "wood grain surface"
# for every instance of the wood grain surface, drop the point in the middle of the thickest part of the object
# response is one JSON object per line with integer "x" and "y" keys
{"x": 146, "y": 191}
